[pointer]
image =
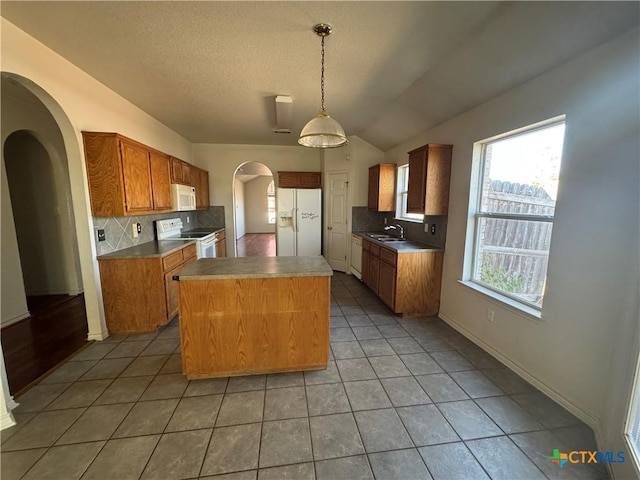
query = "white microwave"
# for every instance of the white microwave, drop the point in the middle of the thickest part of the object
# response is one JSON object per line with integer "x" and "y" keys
{"x": 183, "y": 197}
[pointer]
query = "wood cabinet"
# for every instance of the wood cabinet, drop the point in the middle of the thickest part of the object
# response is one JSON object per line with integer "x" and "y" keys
{"x": 139, "y": 293}
{"x": 160, "y": 181}
{"x": 382, "y": 187}
{"x": 429, "y": 179}
{"x": 200, "y": 180}
{"x": 125, "y": 177}
{"x": 407, "y": 282}
{"x": 180, "y": 172}
{"x": 221, "y": 244}
{"x": 300, "y": 179}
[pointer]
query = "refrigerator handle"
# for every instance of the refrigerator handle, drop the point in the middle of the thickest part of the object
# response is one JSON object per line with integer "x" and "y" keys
{"x": 295, "y": 220}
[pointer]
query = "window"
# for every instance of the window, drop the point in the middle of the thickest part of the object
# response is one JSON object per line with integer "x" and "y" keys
{"x": 271, "y": 203}
{"x": 401, "y": 200}
{"x": 514, "y": 218}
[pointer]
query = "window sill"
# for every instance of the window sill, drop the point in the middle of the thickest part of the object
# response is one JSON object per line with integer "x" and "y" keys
{"x": 514, "y": 306}
{"x": 412, "y": 220}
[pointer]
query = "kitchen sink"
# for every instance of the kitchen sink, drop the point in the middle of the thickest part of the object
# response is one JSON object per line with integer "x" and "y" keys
{"x": 393, "y": 240}
{"x": 380, "y": 236}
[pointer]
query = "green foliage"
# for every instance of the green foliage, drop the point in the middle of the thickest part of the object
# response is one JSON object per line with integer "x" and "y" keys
{"x": 501, "y": 279}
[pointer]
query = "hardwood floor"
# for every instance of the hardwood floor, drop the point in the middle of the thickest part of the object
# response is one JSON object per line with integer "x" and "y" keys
{"x": 56, "y": 329}
{"x": 257, "y": 245}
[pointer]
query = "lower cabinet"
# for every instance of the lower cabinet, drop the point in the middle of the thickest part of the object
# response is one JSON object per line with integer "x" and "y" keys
{"x": 407, "y": 282}
{"x": 139, "y": 294}
{"x": 221, "y": 244}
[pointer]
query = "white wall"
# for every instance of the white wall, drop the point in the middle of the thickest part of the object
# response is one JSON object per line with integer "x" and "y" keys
{"x": 356, "y": 158}
{"x": 78, "y": 102}
{"x": 240, "y": 208}
{"x": 573, "y": 351}
{"x": 256, "y": 208}
{"x": 223, "y": 160}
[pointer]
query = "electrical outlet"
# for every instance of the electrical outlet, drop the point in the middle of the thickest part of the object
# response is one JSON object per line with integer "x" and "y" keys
{"x": 188, "y": 219}
{"x": 101, "y": 235}
{"x": 426, "y": 228}
{"x": 433, "y": 229}
{"x": 490, "y": 313}
{"x": 134, "y": 229}
{"x": 139, "y": 227}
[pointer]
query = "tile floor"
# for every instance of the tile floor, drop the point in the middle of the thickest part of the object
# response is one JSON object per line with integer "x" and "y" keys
{"x": 401, "y": 399}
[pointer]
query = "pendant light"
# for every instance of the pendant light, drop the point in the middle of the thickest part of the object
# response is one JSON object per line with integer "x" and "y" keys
{"x": 322, "y": 131}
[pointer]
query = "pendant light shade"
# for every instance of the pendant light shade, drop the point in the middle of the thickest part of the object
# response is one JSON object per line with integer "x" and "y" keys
{"x": 322, "y": 131}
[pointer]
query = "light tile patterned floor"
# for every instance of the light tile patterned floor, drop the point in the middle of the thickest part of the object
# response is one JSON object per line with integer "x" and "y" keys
{"x": 402, "y": 398}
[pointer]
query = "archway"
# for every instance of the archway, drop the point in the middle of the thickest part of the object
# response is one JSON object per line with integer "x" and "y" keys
{"x": 35, "y": 124}
{"x": 254, "y": 211}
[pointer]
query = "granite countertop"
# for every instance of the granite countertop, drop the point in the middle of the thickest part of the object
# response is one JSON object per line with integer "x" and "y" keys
{"x": 155, "y": 248}
{"x": 402, "y": 246}
{"x": 255, "y": 267}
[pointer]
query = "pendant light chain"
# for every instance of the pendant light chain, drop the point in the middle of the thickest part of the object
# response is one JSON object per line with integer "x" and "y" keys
{"x": 322, "y": 131}
{"x": 322, "y": 76}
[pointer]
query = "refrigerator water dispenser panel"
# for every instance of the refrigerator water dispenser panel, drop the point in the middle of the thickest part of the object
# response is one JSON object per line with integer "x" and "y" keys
{"x": 285, "y": 219}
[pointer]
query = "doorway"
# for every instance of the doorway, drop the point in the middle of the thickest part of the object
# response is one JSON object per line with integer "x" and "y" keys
{"x": 254, "y": 208}
{"x": 47, "y": 290}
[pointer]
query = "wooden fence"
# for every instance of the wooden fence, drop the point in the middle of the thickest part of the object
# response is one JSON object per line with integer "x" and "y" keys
{"x": 514, "y": 253}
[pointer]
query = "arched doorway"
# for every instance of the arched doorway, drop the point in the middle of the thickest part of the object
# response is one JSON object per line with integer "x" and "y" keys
{"x": 43, "y": 236}
{"x": 254, "y": 210}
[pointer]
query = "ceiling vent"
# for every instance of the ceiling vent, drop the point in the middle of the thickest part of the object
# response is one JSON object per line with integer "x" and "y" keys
{"x": 284, "y": 111}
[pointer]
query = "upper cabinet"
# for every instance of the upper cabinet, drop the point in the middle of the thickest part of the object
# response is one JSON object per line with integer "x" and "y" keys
{"x": 181, "y": 172}
{"x": 200, "y": 180}
{"x": 129, "y": 178}
{"x": 125, "y": 177}
{"x": 382, "y": 183}
{"x": 429, "y": 178}
{"x": 300, "y": 179}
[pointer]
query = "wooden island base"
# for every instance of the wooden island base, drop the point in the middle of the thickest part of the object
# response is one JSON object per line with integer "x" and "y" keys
{"x": 247, "y": 326}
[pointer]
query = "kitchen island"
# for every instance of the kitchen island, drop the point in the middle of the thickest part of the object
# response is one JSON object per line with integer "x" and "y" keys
{"x": 244, "y": 316}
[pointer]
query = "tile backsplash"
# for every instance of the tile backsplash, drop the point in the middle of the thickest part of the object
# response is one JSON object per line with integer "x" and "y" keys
{"x": 119, "y": 230}
{"x": 365, "y": 220}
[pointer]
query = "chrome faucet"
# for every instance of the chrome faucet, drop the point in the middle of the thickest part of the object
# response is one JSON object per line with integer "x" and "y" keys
{"x": 398, "y": 227}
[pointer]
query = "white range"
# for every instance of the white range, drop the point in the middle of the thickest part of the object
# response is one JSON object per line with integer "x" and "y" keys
{"x": 171, "y": 229}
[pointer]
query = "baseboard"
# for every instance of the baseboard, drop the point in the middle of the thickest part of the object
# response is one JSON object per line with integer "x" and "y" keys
{"x": 97, "y": 336}
{"x": 11, "y": 321}
{"x": 587, "y": 417}
{"x": 6, "y": 420}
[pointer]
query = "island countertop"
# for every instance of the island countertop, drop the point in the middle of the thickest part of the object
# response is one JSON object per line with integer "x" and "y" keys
{"x": 255, "y": 267}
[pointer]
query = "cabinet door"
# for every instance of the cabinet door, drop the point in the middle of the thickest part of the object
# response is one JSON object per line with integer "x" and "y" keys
{"x": 137, "y": 177}
{"x": 387, "y": 284}
{"x": 374, "y": 186}
{"x": 221, "y": 247}
{"x": 374, "y": 274}
{"x": 176, "y": 170}
{"x": 365, "y": 267}
{"x": 172, "y": 292}
{"x": 417, "y": 180}
{"x": 160, "y": 181}
{"x": 186, "y": 175}
{"x": 202, "y": 189}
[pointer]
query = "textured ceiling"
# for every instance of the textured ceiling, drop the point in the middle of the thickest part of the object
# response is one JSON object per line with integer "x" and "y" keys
{"x": 210, "y": 70}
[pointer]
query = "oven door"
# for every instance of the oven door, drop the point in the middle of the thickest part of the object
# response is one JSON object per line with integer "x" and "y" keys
{"x": 207, "y": 247}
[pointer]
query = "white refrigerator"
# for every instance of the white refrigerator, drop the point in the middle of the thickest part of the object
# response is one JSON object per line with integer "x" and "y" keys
{"x": 299, "y": 222}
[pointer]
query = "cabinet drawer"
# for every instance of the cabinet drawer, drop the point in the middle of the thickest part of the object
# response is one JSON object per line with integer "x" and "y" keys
{"x": 189, "y": 252}
{"x": 388, "y": 256}
{"x": 172, "y": 260}
{"x": 375, "y": 250}
{"x": 366, "y": 245}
